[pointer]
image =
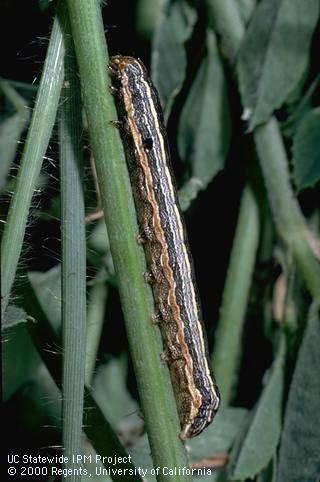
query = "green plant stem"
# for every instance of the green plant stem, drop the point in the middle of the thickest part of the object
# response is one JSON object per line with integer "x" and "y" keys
{"x": 116, "y": 198}
{"x": 228, "y": 342}
{"x": 39, "y": 133}
{"x": 73, "y": 274}
{"x": 286, "y": 213}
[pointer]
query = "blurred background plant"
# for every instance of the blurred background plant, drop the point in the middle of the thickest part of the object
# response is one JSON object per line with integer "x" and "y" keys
{"x": 239, "y": 85}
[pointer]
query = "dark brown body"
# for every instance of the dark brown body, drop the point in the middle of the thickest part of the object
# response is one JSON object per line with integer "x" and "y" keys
{"x": 165, "y": 245}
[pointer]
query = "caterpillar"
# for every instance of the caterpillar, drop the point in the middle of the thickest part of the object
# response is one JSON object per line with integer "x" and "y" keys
{"x": 163, "y": 236}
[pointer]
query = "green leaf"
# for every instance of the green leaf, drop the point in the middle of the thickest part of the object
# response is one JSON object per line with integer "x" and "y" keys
{"x": 274, "y": 55}
{"x": 47, "y": 288}
{"x": 246, "y": 8}
{"x": 189, "y": 191}
{"x": 11, "y": 129}
{"x": 301, "y": 108}
{"x": 204, "y": 127}
{"x": 95, "y": 319}
{"x": 306, "y": 151}
{"x": 299, "y": 456}
{"x": 39, "y": 134}
{"x": 13, "y": 316}
{"x": 99, "y": 252}
{"x": 261, "y": 440}
{"x": 10, "y": 133}
{"x": 141, "y": 455}
{"x": 219, "y": 436}
{"x": 99, "y": 239}
{"x": 19, "y": 356}
{"x": 110, "y": 390}
{"x": 168, "y": 61}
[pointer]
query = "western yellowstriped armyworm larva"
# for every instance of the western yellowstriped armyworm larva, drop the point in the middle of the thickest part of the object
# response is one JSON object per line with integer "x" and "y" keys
{"x": 164, "y": 239}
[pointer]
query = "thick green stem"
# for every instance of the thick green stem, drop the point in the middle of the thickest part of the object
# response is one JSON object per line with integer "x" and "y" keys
{"x": 228, "y": 342}
{"x": 73, "y": 281}
{"x": 116, "y": 198}
{"x": 286, "y": 212}
{"x": 42, "y": 122}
